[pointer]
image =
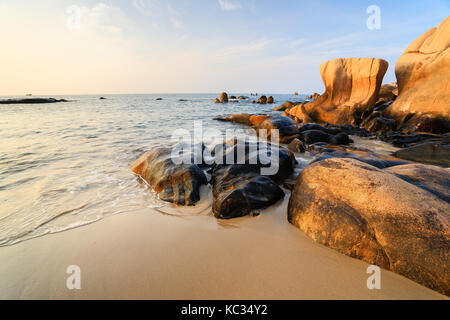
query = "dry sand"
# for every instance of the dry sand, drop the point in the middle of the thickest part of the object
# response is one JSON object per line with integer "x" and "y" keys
{"x": 150, "y": 255}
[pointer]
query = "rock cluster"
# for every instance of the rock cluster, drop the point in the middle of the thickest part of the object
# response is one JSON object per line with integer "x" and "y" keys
{"x": 240, "y": 186}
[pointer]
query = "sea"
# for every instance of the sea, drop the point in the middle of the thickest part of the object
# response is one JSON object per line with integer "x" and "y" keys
{"x": 64, "y": 165}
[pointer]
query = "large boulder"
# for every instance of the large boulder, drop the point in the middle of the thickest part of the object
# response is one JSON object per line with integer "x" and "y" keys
{"x": 352, "y": 87}
{"x": 376, "y": 216}
{"x": 423, "y": 76}
{"x": 174, "y": 182}
{"x": 241, "y": 188}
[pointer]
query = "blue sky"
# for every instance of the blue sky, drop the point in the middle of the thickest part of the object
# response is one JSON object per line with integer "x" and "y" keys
{"x": 149, "y": 46}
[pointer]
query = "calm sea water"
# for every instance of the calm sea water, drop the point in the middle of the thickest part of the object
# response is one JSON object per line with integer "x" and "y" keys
{"x": 64, "y": 165}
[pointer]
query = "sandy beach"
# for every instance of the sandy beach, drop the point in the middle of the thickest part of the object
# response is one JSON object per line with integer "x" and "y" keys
{"x": 151, "y": 255}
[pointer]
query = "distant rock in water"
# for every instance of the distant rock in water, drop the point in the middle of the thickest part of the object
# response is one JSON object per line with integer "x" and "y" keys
{"x": 102, "y": 98}
{"x": 182, "y": 100}
{"x": 32, "y": 101}
{"x": 158, "y": 99}
{"x": 223, "y": 97}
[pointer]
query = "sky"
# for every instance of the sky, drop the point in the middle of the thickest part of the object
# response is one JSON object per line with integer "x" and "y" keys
{"x": 197, "y": 46}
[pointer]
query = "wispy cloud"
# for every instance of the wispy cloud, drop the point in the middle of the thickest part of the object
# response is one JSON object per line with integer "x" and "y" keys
{"x": 228, "y": 5}
{"x": 297, "y": 43}
{"x": 147, "y": 7}
{"x": 241, "y": 49}
{"x": 177, "y": 23}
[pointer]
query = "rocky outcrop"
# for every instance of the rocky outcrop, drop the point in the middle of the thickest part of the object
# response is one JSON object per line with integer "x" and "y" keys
{"x": 270, "y": 100}
{"x": 32, "y": 101}
{"x": 262, "y": 100}
{"x": 379, "y": 216}
{"x": 176, "y": 183}
{"x": 423, "y": 76}
{"x": 352, "y": 87}
{"x": 286, "y": 128}
{"x": 223, "y": 97}
{"x": 314, "y": 96}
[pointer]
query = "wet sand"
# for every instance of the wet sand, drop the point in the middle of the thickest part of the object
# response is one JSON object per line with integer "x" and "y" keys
{"x": 150, "y": 255}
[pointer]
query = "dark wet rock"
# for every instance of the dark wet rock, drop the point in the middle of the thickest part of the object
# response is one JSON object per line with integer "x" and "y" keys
{"x": 242, "y": 98}
{"x": 159, "y": 99}
{"x": 102, "y": 98}
{"x": 339, "y": 139}
{"x": 182, "y": 100}
{"x": 296, "y": 146}
{"x": 335, "y": 129}
{"x": 177, "y": 183}
{"x": 377, "y": 216}
{"x": 216, "y": 100}
{"x": 313, "y": 133}
{"x": 404, "y": 140}
{"x": 283, "y": 159}
{"x": 32, "y": 101}
{"x": 270, "y": 100}
{"x": 242, "y": 189}
{"x": 433, "y": 179}
{"x": 376, "y": 123}
{"x": 315, "y": 126}
{"x": 239, "y": 191}
{"x": 433, "y": 153}
{"x": 313, "y": 136}
{"x": 232, "y": 97}
{"x": 324, "y": 151}
{"x": 286, "y": 127}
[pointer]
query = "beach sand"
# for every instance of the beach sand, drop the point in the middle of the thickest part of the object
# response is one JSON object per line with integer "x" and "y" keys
{"x": 150, "y": 255}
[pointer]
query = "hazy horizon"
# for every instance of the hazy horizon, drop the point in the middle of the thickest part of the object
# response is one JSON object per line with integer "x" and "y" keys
{"x": 166, "y": 47}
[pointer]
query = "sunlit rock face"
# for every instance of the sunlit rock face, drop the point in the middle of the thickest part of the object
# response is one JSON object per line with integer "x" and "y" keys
{"x": 352, "y": 87}
{"x": 423, "y": 76}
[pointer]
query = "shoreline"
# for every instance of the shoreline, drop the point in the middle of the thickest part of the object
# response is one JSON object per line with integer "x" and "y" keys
{"x": 149, "y": 255}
